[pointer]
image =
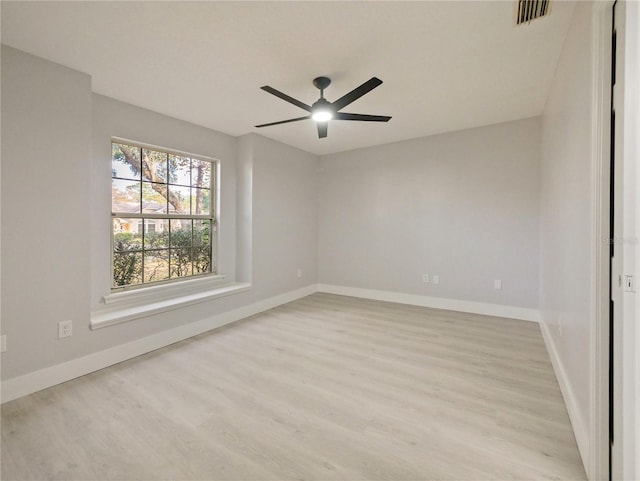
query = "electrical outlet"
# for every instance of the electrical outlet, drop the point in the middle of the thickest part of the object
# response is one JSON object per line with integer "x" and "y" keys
{"x": 436, "y": 279}
{"x": 3, "y": 343}
{"x": 425, "y": 278}
{"x": 497, "y": 284}
{"x": 299, "y": 273}
{"x": 65, "y": 329}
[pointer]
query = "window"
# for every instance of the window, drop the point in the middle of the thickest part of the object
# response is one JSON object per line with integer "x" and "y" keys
{"x": 163, "y": 215}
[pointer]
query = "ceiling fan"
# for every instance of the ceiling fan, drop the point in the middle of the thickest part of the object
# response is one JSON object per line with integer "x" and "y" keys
{"x": 322, "y": 110}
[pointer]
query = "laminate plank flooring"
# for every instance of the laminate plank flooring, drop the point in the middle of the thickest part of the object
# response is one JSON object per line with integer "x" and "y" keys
{"x": 323, "y": 388}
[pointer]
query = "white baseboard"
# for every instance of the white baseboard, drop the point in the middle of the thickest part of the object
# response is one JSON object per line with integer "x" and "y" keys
{"x": 35, "y": 381}
{"x": 580, "y": 430}
{"x": 497, "y": 310}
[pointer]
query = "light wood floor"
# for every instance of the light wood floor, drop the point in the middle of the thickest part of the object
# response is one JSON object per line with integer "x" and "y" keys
{"x": 324, "y": 388}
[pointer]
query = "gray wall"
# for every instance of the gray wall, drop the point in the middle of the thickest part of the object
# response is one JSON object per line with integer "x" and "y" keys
{"x": 464, "y": 206}
{"x": 285, "y": 221}
{"x": 566, "y": 232}
{"x": 55, "y": 212}
{"x": 46, "y": 148}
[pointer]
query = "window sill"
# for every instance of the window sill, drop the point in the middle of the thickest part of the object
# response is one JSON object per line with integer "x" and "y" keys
{"x": 129, "y": 305}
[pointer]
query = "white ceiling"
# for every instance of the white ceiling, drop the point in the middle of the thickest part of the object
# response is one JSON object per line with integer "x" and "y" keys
{"x": 445, "y": 65}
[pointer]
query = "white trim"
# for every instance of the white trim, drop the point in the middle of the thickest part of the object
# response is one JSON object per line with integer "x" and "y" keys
{"x": 35, "y": 381}
{"x": 634, "y": 25}
{"x": 597, "y": 462}
{"x": 498, "y": 310}
{"x": 116, "y": 315}
{"x": 580, "y": 430}
{"x": 150, "y": 293}
{"x": 629, "y": 402}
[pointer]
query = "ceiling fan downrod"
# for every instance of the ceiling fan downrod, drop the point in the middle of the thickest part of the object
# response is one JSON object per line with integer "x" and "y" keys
{"x": 322, "y": 83}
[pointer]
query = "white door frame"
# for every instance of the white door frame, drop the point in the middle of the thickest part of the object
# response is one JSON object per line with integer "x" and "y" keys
{"x": 598, "y": 465}
{"x": 627, "y": 407}
{"x": 629, "y": 410}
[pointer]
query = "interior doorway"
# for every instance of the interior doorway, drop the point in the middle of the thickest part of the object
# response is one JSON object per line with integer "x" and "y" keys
{"x": 624, "y": 260}
{"x": 615, "y": 255}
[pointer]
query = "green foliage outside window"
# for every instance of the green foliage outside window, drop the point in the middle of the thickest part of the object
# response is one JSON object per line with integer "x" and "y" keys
{"x": 189, "y": 253}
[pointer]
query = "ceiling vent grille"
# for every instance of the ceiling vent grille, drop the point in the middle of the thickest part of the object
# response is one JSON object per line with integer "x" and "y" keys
{"x": 531, "y": 9}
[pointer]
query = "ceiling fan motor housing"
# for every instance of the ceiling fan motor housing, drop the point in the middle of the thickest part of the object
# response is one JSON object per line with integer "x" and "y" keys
{"x": 321, "y": 104}
{"x": 322, "y": 82}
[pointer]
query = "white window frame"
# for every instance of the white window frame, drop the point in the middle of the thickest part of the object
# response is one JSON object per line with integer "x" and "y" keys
{"x": 117, "y": 291}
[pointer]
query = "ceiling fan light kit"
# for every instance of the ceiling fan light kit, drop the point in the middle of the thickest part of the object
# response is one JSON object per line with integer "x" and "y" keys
{"x": 322, "y": 115}
{"x": 322, "y": 110}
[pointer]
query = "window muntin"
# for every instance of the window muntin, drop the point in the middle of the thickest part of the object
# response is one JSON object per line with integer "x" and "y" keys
{"x": 163, "y": 215}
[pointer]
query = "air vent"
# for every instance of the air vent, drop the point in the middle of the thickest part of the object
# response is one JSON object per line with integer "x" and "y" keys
{"x": 531, "y": 9}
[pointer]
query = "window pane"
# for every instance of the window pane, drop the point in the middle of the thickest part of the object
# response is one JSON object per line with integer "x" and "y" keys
{"x": 127, "y": 268}
{"x": 155, "y": 235}
{"x": 154, "y": 198}
{"x": 201, "y": 232}
{"x": 125, "y": 161}
{"x": 179, "y": 170}
{"x": 126, "y": 236}
{"x": 125, "y": 196}
{"x": 201, "y": 260}
{"x": 201, "y": 173}
{"x": 156, "y": 265}
{"x": 201, "y": 201}
{"x": 181, "y": 264}
{"x": 180, "y": 233}
{"x": 154, "y": 166}
{"x": 179, "y": 200}
{"x": 127, "y": 258}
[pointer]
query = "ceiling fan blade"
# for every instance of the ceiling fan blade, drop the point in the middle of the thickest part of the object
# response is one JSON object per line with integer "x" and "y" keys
{"x": 286, "y": 98}
{"x": 356, "y": 93}
{"x": 363, "y": 117}
{"x": 322, "y": 129}
{"x": 284, "y": 121}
